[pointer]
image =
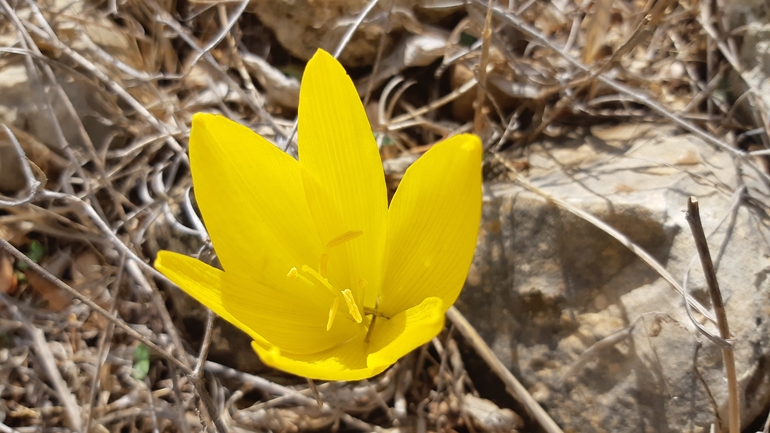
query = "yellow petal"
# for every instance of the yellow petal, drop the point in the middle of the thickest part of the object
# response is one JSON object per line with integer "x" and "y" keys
{"x": 337, "y": 147}
{"x": 356, "y": 359}
{"x": 289, "y": 319}
{"x": 394, "y": 338}
{"x": 345, "y": 362}
{"x": 433, "y": 222}
{"x": 252, "y": 199}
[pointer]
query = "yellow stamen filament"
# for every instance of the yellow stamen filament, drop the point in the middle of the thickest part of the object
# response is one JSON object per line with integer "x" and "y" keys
{"x": 321, "y": 276}
{"x": 324, "y": 282}
{"x": 369, "y": 331}
{"x": 323, "y": 265}
{"x": 352, "y": 307}
{"x": 332, "y": 313}
{"x": 341, "y": 239}
{"x": 375, "y": 313}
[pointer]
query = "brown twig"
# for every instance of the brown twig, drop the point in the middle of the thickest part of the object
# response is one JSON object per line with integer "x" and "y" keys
{"x": 197, "y": 376}
{"x": 47, "y": 361}
{"x": 636, "y": 95}
{"x": 91, "y": 304}
{"x": 378, "y": 56}
{"x": 512, "y": 385}
{"x": 701, "y": 244}
{"x": 478, "y": 117}
{"x": 105, "y": 340}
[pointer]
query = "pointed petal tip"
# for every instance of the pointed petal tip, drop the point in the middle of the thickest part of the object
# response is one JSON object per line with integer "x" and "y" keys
{"x": 325, "y": 67}
{"x": 158, "y": 264}
{"x": 322, "y": 54}
{"x": 470, "y": 143}
{"x": 200, "y": 119}
{"x": 323, "y": 58}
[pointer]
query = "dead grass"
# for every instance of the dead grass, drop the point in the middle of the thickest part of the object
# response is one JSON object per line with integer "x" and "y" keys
{"x": 99, "y": 97}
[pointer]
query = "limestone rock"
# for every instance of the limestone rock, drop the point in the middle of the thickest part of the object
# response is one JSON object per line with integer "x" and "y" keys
{"x": 546, "y": 285}
{"x": 302, "y": 26}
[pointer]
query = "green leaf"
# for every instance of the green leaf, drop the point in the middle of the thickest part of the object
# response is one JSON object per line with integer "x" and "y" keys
{"x": 467, "y": 40}
{"x": 35, "y": 253}
{"x": 141, "y": 362}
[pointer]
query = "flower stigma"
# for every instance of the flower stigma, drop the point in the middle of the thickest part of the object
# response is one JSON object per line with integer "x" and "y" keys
{"x": 319, "y": 278}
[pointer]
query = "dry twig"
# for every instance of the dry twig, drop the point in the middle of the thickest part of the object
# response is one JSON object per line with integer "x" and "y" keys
{"x": 512, "y": 385}
{"x": 701, "y": 244}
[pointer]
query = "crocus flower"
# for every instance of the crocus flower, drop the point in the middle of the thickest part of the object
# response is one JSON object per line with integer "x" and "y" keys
{"x": 329, "y": 281}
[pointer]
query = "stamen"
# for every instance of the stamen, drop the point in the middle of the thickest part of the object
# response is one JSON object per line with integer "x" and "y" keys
{"x": 374, "y": 312}
{"x": 374, "y": 319}
{"x": 341, "y": 239}
{"x": 323, "y": 265}
{"x": 352, "y": 307}
{"x": 294, "y": 274}
{"x": 324, "y": 282}
{"x": 332, "y": 313}
{"x": 369, "y": 331}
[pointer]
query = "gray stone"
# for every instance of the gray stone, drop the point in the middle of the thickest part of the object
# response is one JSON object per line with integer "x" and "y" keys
{"x": 303, "y": 26}
{"x": 546, "y": 285}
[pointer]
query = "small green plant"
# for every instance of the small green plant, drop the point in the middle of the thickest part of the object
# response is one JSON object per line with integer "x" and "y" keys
{"x": 141, "y": 362}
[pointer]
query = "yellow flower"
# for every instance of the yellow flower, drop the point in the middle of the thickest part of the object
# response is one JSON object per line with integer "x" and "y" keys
{"x": 328, "y": 281}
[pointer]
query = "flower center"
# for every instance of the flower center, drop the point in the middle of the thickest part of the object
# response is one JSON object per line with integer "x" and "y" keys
{"x": 319, "y": 278}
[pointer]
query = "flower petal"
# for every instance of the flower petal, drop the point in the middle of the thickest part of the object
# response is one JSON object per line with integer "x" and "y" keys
{"x": 252, "y": 199}
{"x": 433, "y": 222}
{"x": 290, "y": 319}
{"x": 355, "y": 360}
{"x": 410, "y": 329}
{"x": 345, "y": 362}
{"x": 337, "y": 147}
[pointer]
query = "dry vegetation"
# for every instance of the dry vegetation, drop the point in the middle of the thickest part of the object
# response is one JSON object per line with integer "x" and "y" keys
{"x": 99, "y": 97}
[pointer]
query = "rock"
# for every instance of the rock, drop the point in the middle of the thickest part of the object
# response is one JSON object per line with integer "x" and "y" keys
{"x": 23, "y": 107}
{"x": 280, "y": 89}
{"x": 302, "y": 26}
{"x": 487, "y": 417}
{"x": 752, "y": 17}
{"x": 756, "y": 63}
{"x": 546, "y": 285}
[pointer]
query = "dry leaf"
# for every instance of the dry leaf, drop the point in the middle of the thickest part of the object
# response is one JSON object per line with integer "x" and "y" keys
{"x": 8, "y": 280}
{"x": 56, "y": 299}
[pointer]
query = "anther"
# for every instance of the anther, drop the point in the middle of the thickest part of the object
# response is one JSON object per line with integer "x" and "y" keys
{"x": 352, "y": 307}
{"x": 341, "y": 239}
{"x": 332, "y": 313}
{"x": 294, "y": 274}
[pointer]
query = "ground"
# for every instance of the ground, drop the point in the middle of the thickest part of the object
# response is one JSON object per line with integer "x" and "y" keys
{"x": 96, "y": 99}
